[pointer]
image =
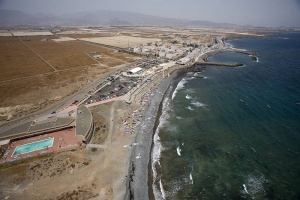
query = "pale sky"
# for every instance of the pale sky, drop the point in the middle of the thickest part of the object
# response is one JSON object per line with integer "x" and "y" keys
{"x": 270, "y": 13}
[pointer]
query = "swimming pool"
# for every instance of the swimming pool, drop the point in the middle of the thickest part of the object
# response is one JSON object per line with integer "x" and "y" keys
{"x": 34, "y": 146}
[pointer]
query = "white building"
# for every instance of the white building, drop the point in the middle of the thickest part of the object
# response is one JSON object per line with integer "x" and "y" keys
{"x": 167, "y": 65}
{"x": 136, "y": 49}
{"x": 170, "y": 55}
{"x": 145, "y": 49}
{"x": 183, "y": 61}
{"x": 162, "y": 54}
{"x": 97, "y": 56}
{"x": 135, "y": 70}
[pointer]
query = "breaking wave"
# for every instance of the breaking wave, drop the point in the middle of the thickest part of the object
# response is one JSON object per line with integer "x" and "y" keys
{"x": 190, "y": 108}
{"x": 156, "y": 152}
{"x": 180, "y": 86}
{"x": 198, "y": 104}
{"x": 188, "y": 97}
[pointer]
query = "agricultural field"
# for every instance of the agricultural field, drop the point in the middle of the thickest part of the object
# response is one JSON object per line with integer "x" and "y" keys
{"x": 121, "y": 41}
{"x": 31, "y": 33}
{"x": 60, "y": 57}
{"x": 87, "y": 35}
{"x": 109, "y": 57}
{"x": 17, "y": 60}
{"x": 37, "y": 71}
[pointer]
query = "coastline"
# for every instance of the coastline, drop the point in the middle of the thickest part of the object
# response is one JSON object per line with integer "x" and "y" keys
{"x": 139, "y": 184}
{"x": 141, "y": 153}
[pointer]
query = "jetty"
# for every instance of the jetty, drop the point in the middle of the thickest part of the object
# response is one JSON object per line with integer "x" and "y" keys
{"x": 205, "y": 61}
{"x": 220, "y": 64}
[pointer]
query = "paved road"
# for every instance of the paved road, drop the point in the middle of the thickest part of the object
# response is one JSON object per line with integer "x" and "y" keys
{"x": 60, "y": 104}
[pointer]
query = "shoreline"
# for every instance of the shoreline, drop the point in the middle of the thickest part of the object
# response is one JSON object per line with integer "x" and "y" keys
{"x": 177, "y": 76}
{"x": 140, "y": 158}
{"x": 140, "y": 170}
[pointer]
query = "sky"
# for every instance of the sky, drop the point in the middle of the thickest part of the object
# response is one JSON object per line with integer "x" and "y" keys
{"x": 268, "y": 13}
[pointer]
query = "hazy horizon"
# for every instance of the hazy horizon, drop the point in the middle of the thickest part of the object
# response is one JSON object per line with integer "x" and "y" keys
{"x": 268, "y": 13}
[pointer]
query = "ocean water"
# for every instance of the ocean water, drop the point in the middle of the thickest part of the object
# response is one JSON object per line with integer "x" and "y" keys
{"x": 236, "y": 133}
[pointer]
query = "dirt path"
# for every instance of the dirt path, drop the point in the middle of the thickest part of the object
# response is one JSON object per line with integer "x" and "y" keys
{"x": 111, "y": 122}
{"x": 38, "y": 55}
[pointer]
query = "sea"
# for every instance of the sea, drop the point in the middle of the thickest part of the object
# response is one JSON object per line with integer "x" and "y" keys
{"x": 235, "y": 134}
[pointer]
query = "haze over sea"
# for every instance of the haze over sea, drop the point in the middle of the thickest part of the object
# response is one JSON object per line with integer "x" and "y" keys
{"x": 236, "y": 133}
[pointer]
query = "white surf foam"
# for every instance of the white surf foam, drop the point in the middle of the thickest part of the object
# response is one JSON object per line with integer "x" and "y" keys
{"x": 188, "y": 97}
{"x": 175, "y": 186}
{"x": 178, "y": 151}
{"x": 198, "y": 104}
{"x": 163, "y": 193}
{"x": 157, "y": 149}
{"x": 255, "y": 185}
{"x": 229, "y": 45}
{"x": 190, "y": 108}
{"x": 245, "y": 189}
{"x": 180, "y": 86}
{"x": 191, "y": 178}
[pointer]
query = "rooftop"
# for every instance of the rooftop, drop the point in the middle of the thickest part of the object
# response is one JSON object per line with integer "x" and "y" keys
{"x": 83, "y": 120}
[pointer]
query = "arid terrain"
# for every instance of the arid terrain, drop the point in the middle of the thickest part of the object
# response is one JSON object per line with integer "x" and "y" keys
{"x": 37, "y": 71}
{"x": 83, "y": 173}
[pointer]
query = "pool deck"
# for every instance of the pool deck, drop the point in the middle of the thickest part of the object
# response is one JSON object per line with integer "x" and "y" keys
{"x": 63, "y": 140}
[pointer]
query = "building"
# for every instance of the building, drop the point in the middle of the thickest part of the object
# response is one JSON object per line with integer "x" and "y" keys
{"x": 97, "y": 56}
{"x": 171, "y": 55}
{"x": 162, "y": 54}
{"x": 135, "y": 70}
{"x": 84, "y": 124}
{"x": 136, "y": 50}
{"x": 183, "y": 61}
{"x": 167, "y": 65}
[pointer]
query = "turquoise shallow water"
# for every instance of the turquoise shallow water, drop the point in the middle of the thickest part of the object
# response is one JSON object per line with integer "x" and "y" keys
{"x": 236, "y": 133}
{"x": 33, "y": 146}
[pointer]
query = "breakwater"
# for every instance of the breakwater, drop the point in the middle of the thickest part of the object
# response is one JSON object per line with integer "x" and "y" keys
{"x": 203, "y": 60}
{"x": 220, "y": 64}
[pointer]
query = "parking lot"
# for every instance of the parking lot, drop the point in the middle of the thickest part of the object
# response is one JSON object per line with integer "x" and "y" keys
{"x": 118, "y": 85}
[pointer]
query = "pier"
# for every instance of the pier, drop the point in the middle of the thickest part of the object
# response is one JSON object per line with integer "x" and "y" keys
{"x": 220, "y": 64}
{"x": 204, "y": 60}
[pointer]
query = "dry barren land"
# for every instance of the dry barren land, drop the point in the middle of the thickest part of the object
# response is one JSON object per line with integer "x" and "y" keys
{"x": 88, "y": 173}
{"x": 37, "y": 71}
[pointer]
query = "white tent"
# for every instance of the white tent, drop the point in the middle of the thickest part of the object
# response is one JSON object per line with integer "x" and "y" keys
{"x": 4, "y": 142}
{"x": 135, "y": 70}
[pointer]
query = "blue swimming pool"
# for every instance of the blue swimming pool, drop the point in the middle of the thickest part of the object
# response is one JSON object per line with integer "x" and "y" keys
{"x": 26, "y": 148}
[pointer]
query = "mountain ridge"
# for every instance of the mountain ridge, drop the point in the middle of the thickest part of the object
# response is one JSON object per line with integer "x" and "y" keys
{"x": 98, "y": 18}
